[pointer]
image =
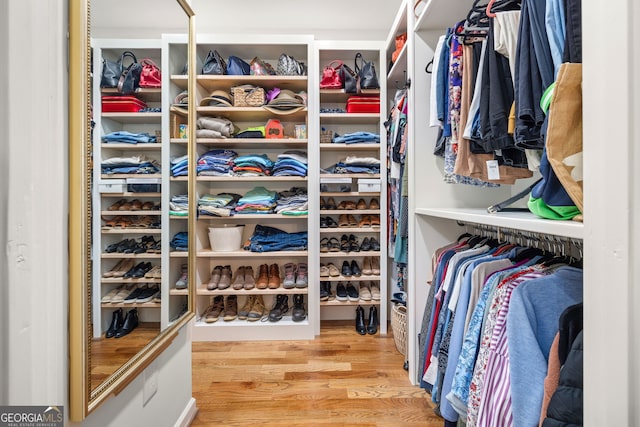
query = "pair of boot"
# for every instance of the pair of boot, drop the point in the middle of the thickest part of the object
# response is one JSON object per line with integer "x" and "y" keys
{"x": 120, "y": 327}
{"x": 370, "y": 327}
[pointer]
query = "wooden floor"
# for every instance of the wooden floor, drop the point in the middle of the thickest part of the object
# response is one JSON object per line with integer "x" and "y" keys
{"x": 339, "y": 379}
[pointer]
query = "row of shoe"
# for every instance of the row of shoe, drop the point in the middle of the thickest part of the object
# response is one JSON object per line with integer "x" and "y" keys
{"x": 135, "y": 221}
{"x": 370, "y": 267}
{"x": 350, "y": 221}
{"x": 132, "y": 293}
{"x": 144, "y": 244}
{"x": 269, "y": 277}
{"x": 348, "y": 244}
{"x": 364, "y": 326}
{"x": 133, "y": 205}
{"x": 254, "y": 309}
{"x": 330, "y": 204}
{"x": 122, "y": 325}
{"x": 350, "y": 291}
{"x": 126, "y": 268}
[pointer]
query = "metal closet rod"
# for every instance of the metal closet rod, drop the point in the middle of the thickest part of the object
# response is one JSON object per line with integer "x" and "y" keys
{"x": 561, "y": 245}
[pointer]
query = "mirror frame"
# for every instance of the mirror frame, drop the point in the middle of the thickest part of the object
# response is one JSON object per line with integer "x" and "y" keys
{"x": 83, "y": 399}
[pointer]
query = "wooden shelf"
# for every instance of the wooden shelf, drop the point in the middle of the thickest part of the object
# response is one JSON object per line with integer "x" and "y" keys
{"x": 179, "y": 141}
{"x": 122, "y": 280}
{"x": 131, "y": 305}
{"x": 178, "y": 217}
{"x": 347, "y": 230}
{"x": 132, "y": 176}
{"x": 224, "y": 82}
{"x": 108, "y": 230}
{"x": 349, "y": 194}
{"x": 183, "y": 178}
{"x": 130, "y": 194}
{"x": 203, "y": 291}
{"x": 134, "y": 213}
{"x": 362, "y": 278}
{"x": 336, "y": 303}
{"x": 178, "y": 292}
{"x": 360, "y": 254}
{"x": 117, "y": 255}
{"x": 179, "y": 254}
{"x": 339, "y": 95}
{"x": 142, "y": 93}
{"x": 349, "y": 147}
{"x": 247, "y": 254}
{"x": 350, "y": 211}
{"x": 251, "y": 178}
{"x": 252, "y": 143}
{"x": 241, "y": 217}
{"x": 346, "y": 118}
{"x": 348, "y": 175}
{"x": 251, "y": 114}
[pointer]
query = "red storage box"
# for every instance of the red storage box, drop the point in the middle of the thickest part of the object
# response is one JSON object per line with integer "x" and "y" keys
{"x": 122, "y": 104}
{"x": 363, "y": 104}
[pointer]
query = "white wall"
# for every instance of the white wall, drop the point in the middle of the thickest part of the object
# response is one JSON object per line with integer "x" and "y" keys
{"x": 33, "y": 229}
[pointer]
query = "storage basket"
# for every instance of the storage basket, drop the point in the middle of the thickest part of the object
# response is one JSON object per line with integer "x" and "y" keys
{"x": 226, "y": 238}
{"x": 399, "y": 327}
{"x": 248, "y": 96}
{"x": 326, "y": 136}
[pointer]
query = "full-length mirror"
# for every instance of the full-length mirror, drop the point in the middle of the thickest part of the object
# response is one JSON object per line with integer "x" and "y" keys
{"x": 130, "y": 290}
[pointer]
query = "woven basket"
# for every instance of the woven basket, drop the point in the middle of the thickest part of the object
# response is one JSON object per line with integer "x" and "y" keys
{"x": 326, "y": 136}
{"x": 399, "y": 327}
{"x": 248, "y": 96}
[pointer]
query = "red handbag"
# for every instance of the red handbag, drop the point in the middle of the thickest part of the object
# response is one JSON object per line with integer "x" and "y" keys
{"x": 150, "y": 76}
{"x": 331, "y": 76}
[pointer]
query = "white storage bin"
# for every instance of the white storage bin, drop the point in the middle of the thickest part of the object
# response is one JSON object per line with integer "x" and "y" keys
{"x": 112, "y": 186}
{"x": 366, "y": 185}
{"x": 226, "y": 237}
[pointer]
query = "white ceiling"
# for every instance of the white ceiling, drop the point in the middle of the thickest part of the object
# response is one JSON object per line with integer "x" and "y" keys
{"x": 326, "y": 19}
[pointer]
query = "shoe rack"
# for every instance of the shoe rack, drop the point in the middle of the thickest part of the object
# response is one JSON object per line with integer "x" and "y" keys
{"x": 236, "y": 291}
{"x": 352, "y": 211}
{"x": 127, "y": 223}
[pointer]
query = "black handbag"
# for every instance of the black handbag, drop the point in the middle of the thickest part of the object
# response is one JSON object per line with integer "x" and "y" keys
{"x": 130, "y": 78}
{"x": 214, "y": 64}
{"x": 367, "y": 77}
{"x": 349, "y": 79}
{"x": 112, "y": 70}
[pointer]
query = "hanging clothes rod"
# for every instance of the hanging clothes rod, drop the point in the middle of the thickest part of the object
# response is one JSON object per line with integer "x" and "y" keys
{"x": 561, "y": 245}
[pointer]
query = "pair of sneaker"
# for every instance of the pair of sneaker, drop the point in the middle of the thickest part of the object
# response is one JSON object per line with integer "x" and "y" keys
{"x": 295, "y": 276}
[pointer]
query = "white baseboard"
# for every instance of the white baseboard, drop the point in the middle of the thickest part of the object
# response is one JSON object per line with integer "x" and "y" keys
{"x": 188, "y": 414}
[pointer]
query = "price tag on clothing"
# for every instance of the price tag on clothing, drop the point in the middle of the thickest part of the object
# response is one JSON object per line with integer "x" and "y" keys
{"x": 493, "y": 170}
{"x": 432, "y": 371}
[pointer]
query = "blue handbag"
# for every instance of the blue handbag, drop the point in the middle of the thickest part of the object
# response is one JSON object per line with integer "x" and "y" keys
{"x": 237, "y": 67}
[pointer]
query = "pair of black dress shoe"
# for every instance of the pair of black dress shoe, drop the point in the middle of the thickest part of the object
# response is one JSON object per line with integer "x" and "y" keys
{"x": 370, "y": 244}
{"x": 363, "y": 327}
{"x": 120, "y": 327}
{"x": 138, "y": 271}
{"x": 328, "y": 222}
{"x": 349, "y": 270}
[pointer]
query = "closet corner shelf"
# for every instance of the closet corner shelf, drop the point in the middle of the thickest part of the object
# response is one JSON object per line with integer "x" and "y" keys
{"x": 396, "y": 72}
{"x": 180, "y": 80}
{"x": 135, "y": 147}
{"x": 437, "y": 13}
{"x": 213, "y": 82}
{"x": 177, "y": 292}
{"x": 349, "y": 147}
{"x": 346, "y": 118}
{"x": 525, "y": 221}
{"x": 134, "y": 118}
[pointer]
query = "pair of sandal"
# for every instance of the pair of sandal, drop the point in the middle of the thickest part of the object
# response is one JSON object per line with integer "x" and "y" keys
{"x": 143, "y": 221}
{"x": 349, "y": 243}
{"x": 328, "y": 205}
{"x": 369, "y": 221}
{"x": 328, "y": 222}
{"x": 132, "y": 205}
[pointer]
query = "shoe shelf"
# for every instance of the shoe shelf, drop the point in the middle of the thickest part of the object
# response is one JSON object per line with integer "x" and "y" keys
{"x": 131, "y": 305}
{"x": 202, "y": 290}
{"x": 136, "y": 213}
{"x": 179, "y": 254}
{"x": 249, "y": 254}
{"x": 349, "y": 254}
{"x": 179, "y": 178}
{"x": 213, "y": 82}
{"x": 130, "y": 194}
{"x": 134, "y": 118}
{"x": 253, "y": 143}
{"x": 180, "y": 80}
{"x": 241, "y": 217}
{"x": 336, "y": 303}
{"x": 349, "y": 194}
{"x": 183, "y": 141}
{"x": 221, "y": 323}
{"x": 252, "y": 178}
{"x": 133, "y": 147}
{"x": 363, "y": 278}
{"x": 344, "y": 230}
{"x": 349, "y": 211}
{"x": 143, "y": 255}
{"x": 349, "y": 175}
{"x": 133, "y": 230}
{"x": 178, "y": 292}
{"x": 178, "y": 217}
{"x": 330, "y": 146}
{"x": 123, "y": 280}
